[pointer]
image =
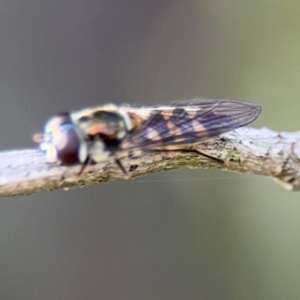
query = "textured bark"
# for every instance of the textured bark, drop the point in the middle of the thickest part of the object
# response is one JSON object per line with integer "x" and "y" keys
{"x": 246, "y": 150}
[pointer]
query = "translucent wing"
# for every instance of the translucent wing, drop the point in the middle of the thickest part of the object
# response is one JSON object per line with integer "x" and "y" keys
{"x": 190, "y": 122}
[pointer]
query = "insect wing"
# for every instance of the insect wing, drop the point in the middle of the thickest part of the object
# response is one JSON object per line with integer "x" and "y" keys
{"x": 190, "y": 122}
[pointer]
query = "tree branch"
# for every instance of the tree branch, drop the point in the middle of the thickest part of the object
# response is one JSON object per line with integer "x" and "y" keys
{"x": 245, "y": 150}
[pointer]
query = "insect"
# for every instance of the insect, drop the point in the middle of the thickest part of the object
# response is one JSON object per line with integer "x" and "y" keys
{"x": 97, "y": 134}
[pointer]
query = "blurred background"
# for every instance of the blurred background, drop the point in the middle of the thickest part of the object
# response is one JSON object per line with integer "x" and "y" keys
{"x": 184, "y": 234}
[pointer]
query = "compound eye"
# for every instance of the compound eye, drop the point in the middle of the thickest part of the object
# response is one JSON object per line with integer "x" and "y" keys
{"x": 60, "y": 145}
{"x": 58, "y": 121}
{"x": 67, "y": 145}
{"x": 59, "y": 141}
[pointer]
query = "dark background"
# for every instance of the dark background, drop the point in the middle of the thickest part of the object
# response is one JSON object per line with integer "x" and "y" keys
{"x": 185, "y": 234}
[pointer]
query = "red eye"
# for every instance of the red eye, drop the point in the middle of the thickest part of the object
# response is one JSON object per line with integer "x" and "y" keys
{"x": 60, "y": 141}
{"x": 67, "y": 145}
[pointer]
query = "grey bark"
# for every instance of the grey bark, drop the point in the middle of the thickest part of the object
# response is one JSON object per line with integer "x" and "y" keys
{"x": 245, "y": 150}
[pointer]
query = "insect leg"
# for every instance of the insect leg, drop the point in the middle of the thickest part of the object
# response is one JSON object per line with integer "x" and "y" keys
{"x": 207, "y": 155}
{"x": 122, "y": 168}
{"x": 83, "y": 167}
{"x": 185, "y": 149}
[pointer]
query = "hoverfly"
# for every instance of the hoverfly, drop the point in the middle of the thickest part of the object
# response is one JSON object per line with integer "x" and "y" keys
{"x": 100, "y": 133}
